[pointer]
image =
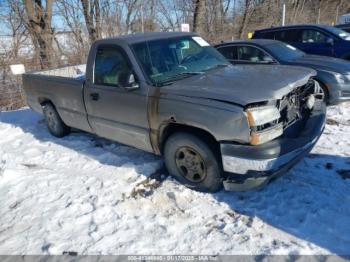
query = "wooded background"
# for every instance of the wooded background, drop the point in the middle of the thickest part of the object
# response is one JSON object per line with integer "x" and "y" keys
{"x": 51, "y": 33}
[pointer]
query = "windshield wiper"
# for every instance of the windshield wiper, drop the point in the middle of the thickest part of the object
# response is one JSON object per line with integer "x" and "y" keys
{"x": 180, "y": 76}
{"x": 217, "y": 66}
{"x": 189, "y": 73}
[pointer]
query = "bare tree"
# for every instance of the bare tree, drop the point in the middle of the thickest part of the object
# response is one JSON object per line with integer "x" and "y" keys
{"x": 38, "y": 22}
{"x": 72, "y": 15}
{"x": 199, "y": 20}
{"x": 15, "y": 26}
{"x": 246, "y": 6}
{"x": 171, "y": 14}
{"x": 131, "y": 6}
{"x": 111, "y": 14}
{"x": 92, "y": 15}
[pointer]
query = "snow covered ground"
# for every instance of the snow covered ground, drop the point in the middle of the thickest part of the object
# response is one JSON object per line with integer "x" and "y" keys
{"x": 88, "y": 195}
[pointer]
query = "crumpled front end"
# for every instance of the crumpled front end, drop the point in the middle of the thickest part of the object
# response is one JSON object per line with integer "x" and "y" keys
{"x": 297, "y": 126}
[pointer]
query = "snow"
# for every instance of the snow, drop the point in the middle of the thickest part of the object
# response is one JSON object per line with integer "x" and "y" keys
{"x": 88, "y": 195}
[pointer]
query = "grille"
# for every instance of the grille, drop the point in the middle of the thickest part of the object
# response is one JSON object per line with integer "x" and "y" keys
{"x": 293, "y": 106}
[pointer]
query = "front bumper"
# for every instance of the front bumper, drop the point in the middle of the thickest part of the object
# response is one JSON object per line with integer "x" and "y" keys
{"x": 338, "y": 93}
{"x": 252, "y": 166}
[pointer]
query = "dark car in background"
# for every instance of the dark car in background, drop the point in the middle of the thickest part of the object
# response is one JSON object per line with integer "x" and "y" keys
{"x": 333, "y": 74}
{"x": 312, "y": 39}
{"x": 345, "y": 27}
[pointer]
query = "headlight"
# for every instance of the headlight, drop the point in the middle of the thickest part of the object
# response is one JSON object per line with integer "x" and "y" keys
{"x": 260, "y": 137}
{"x": 260, "y": 116}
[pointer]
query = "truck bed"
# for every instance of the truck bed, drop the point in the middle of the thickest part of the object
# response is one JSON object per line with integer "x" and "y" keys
{"x": 75, "y": 72}
{"x": 63, "y": 87}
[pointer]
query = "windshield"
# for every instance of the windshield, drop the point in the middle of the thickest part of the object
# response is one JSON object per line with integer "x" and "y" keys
{"x": 284, "y": 51}
{"x": 168, "y": 60}
{"x": 341, "y": 33}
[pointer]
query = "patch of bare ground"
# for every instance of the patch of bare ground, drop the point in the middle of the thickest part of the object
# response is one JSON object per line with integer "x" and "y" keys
{"x": 147, "y": 186}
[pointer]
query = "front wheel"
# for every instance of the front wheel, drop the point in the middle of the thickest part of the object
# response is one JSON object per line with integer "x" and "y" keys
{"x": 192, "y": 162}
{"x": 54, "y": 122}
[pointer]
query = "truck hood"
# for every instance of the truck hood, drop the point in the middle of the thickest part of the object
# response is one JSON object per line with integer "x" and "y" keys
{"x": 242, "y": 85}
{"x": 323, "y": 63}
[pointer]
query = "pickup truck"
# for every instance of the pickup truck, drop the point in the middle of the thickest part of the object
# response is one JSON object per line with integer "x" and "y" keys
{"x": 172, "y": 94}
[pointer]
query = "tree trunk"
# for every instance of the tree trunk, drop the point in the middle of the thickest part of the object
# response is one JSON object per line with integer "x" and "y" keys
{"x": 131, "y": 7}
{"x": 39, "y": 26}
{"x": 244, "y": 18}
{"x": 199, "y": 16}
{"x": 91, "y": 11}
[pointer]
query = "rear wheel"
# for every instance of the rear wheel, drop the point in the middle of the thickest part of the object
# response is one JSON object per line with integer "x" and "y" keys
{"x": 192, "y": 162}
{"x": 54, "y": 122}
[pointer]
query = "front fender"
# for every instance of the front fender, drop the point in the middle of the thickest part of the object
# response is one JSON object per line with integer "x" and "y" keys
{"x": 224, "y": 121}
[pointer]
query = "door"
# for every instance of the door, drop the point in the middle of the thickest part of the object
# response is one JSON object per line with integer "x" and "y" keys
{"x": 315, "y": 42}
{"x": 115, "y": 102}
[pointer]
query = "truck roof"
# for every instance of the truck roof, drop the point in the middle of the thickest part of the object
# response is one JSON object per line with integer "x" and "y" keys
{"x": 141, "y": 37}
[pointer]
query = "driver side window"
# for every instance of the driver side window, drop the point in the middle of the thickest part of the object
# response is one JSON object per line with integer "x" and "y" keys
{"x": 252, "y": 54}
{"x": 111, "y": 67}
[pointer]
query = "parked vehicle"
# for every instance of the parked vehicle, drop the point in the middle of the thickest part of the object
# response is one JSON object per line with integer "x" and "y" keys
{"x": 176, "y": 96}
{"x": 345, "y": 27}
{"x": 312, "y": 39}
{"x": 333, "y": 74}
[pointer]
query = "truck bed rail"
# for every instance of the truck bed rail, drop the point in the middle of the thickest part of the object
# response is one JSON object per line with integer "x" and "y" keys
{"x": 76, "y": 72}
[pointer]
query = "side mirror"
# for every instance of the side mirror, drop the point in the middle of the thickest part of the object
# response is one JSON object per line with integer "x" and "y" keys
{"x": 132, "y": 83}
{"x": 330, "y": 41}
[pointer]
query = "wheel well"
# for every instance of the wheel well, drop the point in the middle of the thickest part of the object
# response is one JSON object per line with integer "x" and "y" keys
{"x": 200, "y": 133}
{"x": 43, "y": 101}
{"x": 324, "y": 87}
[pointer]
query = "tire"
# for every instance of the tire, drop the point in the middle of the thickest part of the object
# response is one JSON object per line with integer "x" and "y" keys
{"x": 192, "y": 162}
{"x": 54, "y": 122}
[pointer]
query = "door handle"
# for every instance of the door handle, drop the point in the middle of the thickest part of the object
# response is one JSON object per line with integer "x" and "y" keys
{"x": 94, "y": 96}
